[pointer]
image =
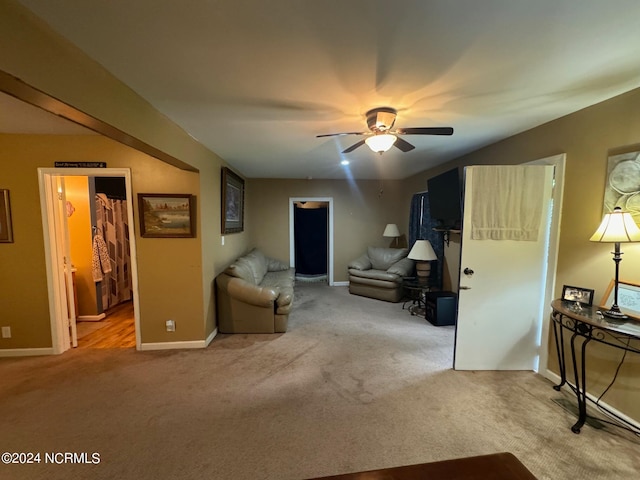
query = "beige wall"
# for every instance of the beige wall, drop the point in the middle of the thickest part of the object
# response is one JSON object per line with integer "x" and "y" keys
{"x": 361, "y": 211}
{"x": 587, "y": 137}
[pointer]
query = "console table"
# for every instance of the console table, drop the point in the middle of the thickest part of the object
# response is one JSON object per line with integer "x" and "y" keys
{"x": 586, "y": 325}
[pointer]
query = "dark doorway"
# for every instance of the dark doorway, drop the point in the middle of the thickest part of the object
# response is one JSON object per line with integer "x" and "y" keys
{"x": 311, "y": 240}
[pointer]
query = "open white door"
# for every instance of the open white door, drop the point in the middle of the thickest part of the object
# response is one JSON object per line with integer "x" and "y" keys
{"x": 65, "y": 333}
{"x": 502, "y": 287}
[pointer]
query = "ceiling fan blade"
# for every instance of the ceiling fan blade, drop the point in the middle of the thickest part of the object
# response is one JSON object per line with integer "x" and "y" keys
{"x": 354, "y": 146}
{"x": 344, "y": 133}
{"x": 425, "y": 131}
{"x": 403, "y": 145}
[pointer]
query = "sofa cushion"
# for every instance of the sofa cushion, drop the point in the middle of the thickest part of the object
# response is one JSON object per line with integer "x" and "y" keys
{"x": 241, "y": 270}
{"x": 382, "y": 258}
{"x": 374, "y": 274}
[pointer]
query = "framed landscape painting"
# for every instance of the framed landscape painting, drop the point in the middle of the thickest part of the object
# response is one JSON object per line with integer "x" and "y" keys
{"x": 232, "y": 202}
{"x": 167, "y": 215}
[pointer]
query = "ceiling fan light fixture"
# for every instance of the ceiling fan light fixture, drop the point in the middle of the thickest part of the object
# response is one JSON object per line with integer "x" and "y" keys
{"x": 380, "y": 143}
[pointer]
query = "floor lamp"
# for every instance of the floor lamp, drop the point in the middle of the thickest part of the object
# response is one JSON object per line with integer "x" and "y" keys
{"x": 616, "y": 227}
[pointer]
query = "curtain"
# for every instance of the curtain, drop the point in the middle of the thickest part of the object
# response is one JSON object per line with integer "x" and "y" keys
{"x": 112, "y": 224}
{"x": 421, "y": 227}
{"x": 502, "y": 206}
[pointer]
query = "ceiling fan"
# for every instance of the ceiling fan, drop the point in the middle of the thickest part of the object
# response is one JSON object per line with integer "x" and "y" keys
{"x": 381, "y": 138}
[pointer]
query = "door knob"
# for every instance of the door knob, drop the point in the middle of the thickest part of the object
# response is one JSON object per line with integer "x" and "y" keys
{"x": 467, "y": 271}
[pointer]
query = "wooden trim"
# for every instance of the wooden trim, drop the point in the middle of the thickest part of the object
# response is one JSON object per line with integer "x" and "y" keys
{"x": 22, "y": 91}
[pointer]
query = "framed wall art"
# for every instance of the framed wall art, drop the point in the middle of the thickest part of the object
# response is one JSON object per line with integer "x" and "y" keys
{"x": 167, "y": 215}
{"x": 623, "y": 184}
{"x": 232, "y": 202}
{"x": 6, "y": 230}
{"x": 584, "y": 296}
{"x": 628, "y": 297}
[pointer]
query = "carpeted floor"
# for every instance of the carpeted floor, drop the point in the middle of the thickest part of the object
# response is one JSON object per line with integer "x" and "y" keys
{"x": 355, "y": 384}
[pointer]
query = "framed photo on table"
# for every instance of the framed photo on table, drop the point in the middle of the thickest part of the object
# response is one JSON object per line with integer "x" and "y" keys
{"x": 232, "y": 202}
{"x": 628, "y": 297}
{"x": 6, "y": 231}
{"x": 584, "y": 296}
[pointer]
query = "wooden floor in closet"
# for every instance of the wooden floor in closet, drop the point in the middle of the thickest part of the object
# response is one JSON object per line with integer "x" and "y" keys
{"x": 116, "y": 330}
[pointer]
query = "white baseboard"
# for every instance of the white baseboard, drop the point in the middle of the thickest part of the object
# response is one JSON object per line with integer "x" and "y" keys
{"x": 555, "y": 378}
{"x": 25, "y": 352}
{"x": 91, "y": 318}
{"x": 174, "y": 345}
{"x": 340, "y": 284}
{"x": 211, "y": 336}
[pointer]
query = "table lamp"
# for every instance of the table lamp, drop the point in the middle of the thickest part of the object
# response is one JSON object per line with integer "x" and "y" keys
{"x": 616, "y": 227}
{"x": 391, "y": 230}
{"x": 423, "y": 253}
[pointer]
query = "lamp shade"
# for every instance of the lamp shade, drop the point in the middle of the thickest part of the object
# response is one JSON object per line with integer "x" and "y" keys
{"x": 391, "y": 230}
{"x": 422, "y": 250}
{"x": 380, "y": 143}
{"x": 617, "y": 227}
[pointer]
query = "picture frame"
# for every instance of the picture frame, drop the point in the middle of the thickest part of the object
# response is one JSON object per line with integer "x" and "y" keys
{"x": 167, "y": 215}
{"x": 623, "y": 177}
{"x": 6, "y": 229}
{"x": 232, "y": 202}
{"x": 628, "y": 297}
{"x": 584, "y": 296}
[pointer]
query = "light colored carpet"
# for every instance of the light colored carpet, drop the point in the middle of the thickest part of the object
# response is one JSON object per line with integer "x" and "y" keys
{"x": 355, "y": 384}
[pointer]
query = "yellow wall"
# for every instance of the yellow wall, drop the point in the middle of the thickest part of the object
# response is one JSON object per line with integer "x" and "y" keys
{"x": 587, "y": 137}
{"x": 169, "y": 270}
{"x": 361, "y": 211}
{"x": 80, "y": 243}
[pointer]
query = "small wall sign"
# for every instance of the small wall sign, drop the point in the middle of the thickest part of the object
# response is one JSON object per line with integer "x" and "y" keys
{"x": 80, "y": 164}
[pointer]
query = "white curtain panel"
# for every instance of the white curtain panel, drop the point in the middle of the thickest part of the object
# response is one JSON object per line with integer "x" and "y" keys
{"x": 504, "y": 205}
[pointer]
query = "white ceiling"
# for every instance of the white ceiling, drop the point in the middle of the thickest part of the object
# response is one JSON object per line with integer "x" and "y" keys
{"x": 255, "y": 81}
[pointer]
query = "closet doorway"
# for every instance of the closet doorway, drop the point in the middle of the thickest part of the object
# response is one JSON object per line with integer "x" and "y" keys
{"x": 90, "y": 254}
{"x": 311, "y": 238}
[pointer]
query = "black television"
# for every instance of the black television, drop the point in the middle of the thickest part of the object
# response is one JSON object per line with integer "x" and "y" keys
{"x": 445, "y": 200}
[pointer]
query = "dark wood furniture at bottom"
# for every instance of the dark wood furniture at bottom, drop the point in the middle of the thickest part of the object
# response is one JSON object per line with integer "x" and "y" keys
{"x": 498, "y": 466}
{"x": 441, "y": 308}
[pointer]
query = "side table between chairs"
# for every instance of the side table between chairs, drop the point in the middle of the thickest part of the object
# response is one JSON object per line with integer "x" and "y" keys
{"x": 415, "y": 292}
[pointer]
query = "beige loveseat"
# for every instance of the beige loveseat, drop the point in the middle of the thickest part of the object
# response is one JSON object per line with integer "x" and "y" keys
{"x": 379, "y": 273}
{"x": 254, "y": 295}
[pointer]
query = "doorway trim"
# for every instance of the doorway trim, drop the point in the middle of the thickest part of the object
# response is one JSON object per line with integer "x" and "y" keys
{"x": 52, "y": 248}
{"x": 292, "y": 256}
{"x": 558, "y": 161}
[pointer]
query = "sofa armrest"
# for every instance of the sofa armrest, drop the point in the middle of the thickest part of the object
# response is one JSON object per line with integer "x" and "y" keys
{"x": 361, "y": 263}
{"x": 403, "y": 267}
{"x": 246, "y": 292}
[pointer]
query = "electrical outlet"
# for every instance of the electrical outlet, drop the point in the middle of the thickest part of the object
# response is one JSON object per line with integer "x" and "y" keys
{"x": 223, "y": 240}
{"x": 6, "y": 332}
{"x": 171, "y": 326}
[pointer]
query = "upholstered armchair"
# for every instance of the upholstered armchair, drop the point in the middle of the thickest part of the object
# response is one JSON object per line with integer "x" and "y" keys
{"x": 379, "y": 273}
